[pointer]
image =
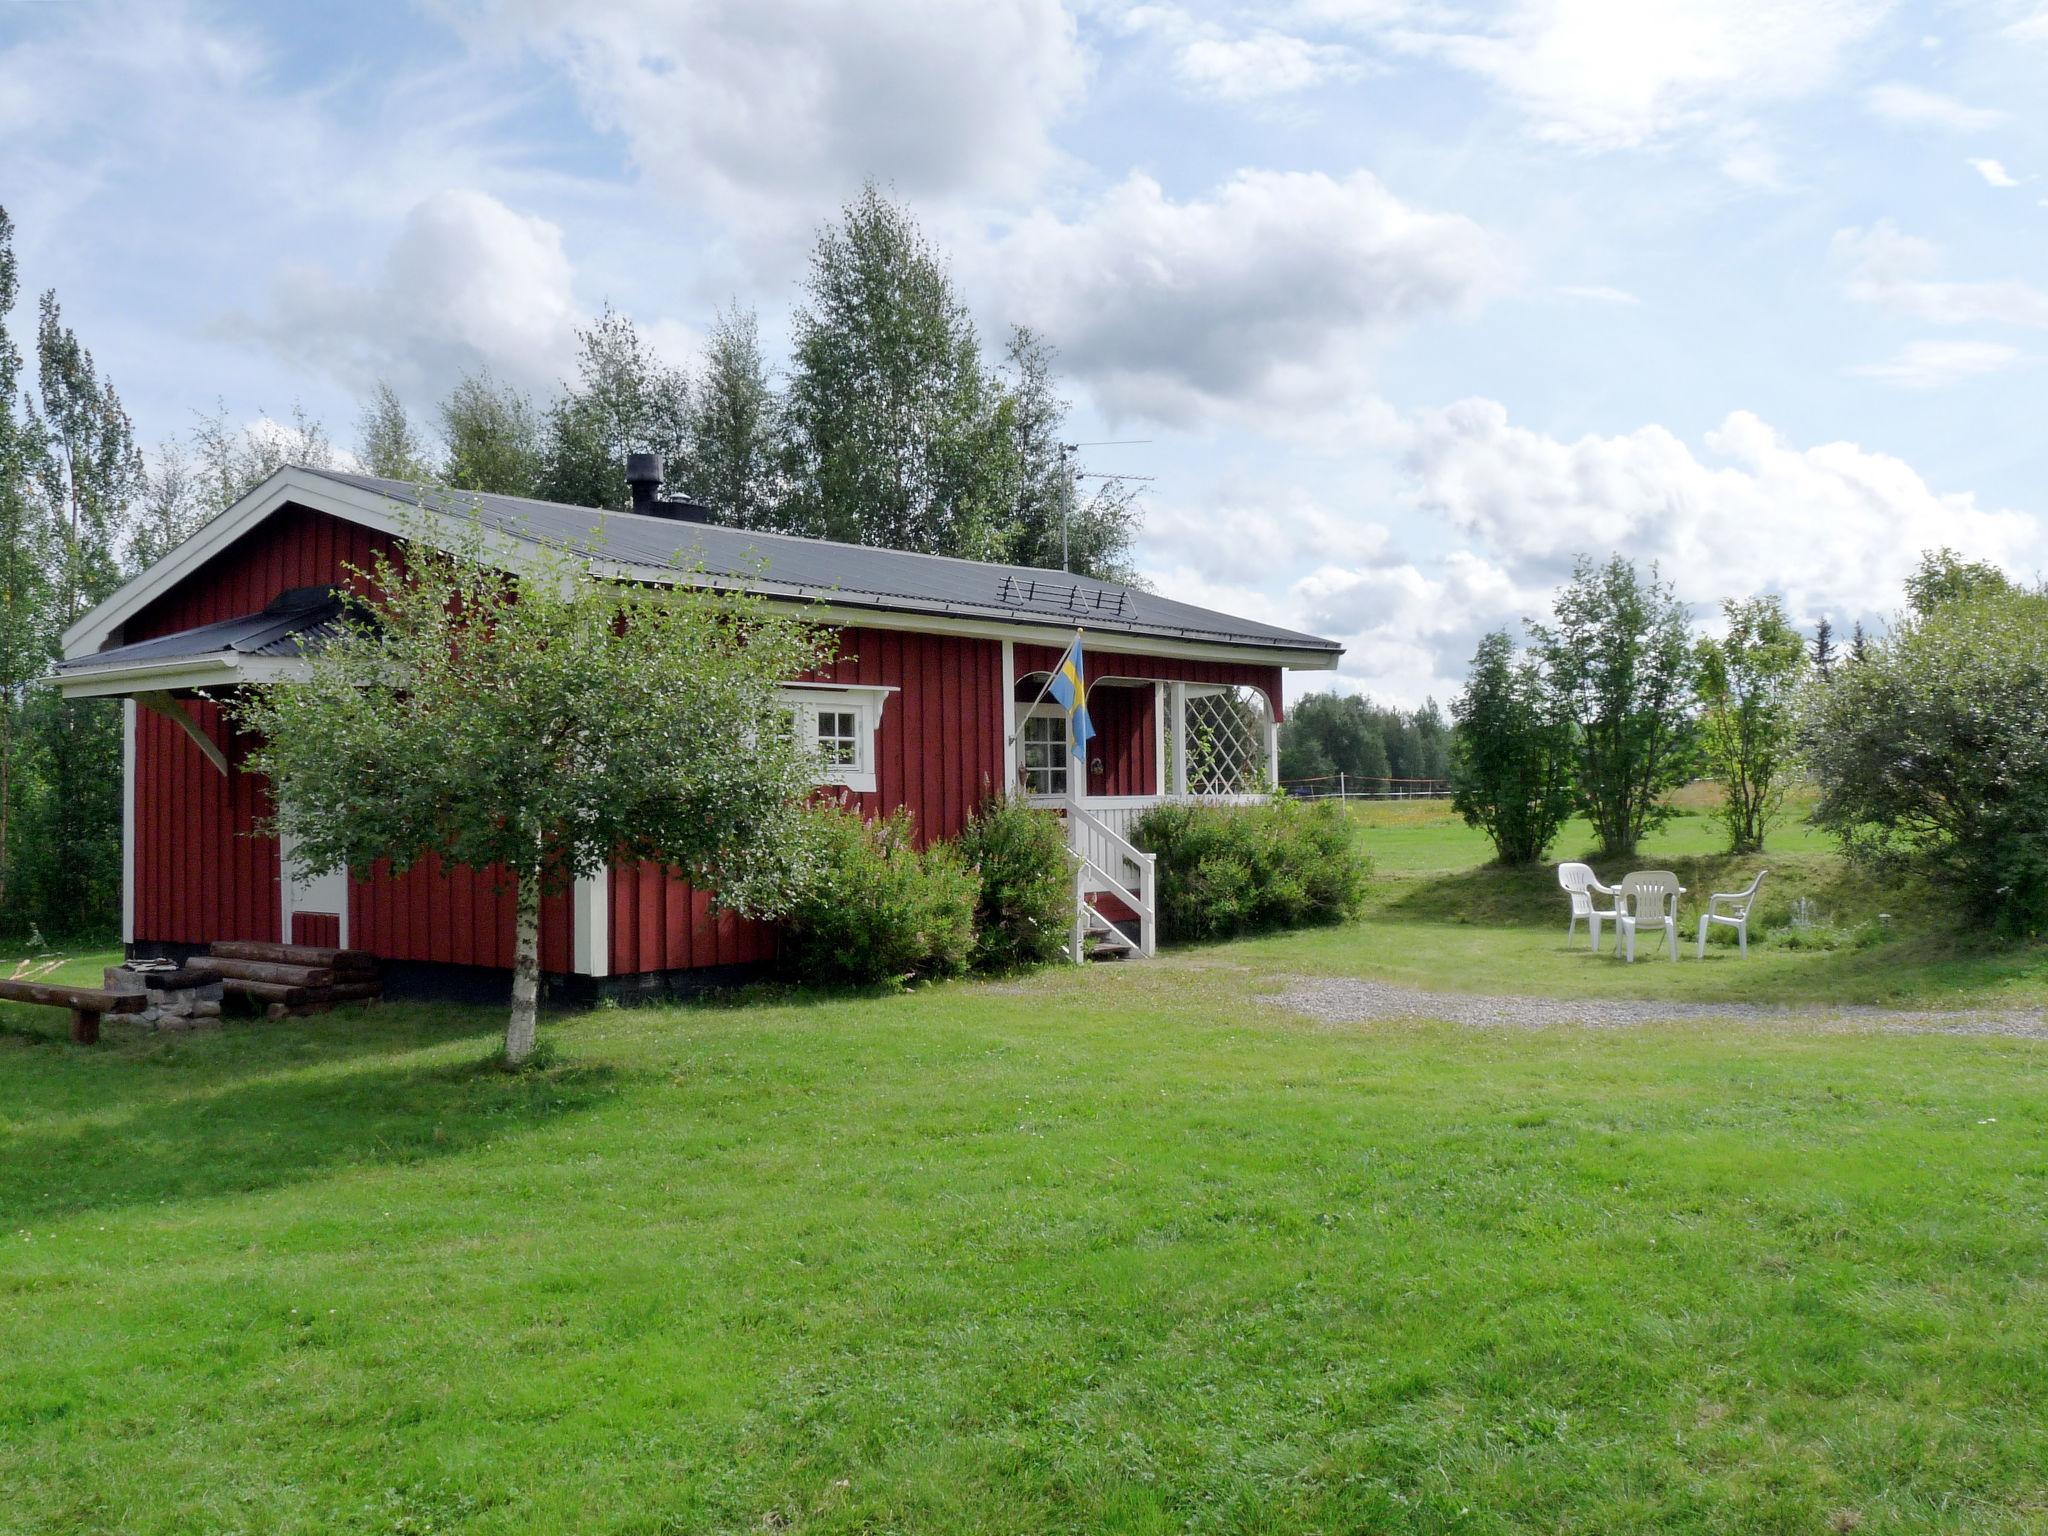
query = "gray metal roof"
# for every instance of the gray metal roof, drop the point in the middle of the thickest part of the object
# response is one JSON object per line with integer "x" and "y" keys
{"x": 855, "y": 575}
{"x": 294, "y": 623}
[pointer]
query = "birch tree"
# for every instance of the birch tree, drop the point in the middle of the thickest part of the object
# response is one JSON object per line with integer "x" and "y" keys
{"x": 1618, "y": 658}
{"x": 1749, "y": 683}
{"x": 539, "y": 726}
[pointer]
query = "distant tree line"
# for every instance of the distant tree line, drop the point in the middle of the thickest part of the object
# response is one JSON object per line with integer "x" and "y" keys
{"x": 1328, "y": 734}
{"x": 888, "y": 424}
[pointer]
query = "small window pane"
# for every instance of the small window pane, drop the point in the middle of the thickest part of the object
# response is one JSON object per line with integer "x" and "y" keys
{"x": 1045, "y": 754}
{"x": 839, "y": 737}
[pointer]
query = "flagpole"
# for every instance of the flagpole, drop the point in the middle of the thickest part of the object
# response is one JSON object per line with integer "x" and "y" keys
{"x": 1014, "y": 734}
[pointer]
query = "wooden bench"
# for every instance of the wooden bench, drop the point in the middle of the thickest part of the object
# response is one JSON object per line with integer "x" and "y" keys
{"x": 86, "y": 1003}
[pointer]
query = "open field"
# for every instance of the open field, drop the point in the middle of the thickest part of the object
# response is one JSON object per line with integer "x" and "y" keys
{"x": 1443, "y": 919}
{"x": 1129, "y": 1248}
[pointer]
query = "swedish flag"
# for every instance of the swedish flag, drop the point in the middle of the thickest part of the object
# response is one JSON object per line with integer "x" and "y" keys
{"x": 1069, "y": 689}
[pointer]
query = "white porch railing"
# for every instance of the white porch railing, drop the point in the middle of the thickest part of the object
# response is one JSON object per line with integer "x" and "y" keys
{"x": 1108, "y": 863}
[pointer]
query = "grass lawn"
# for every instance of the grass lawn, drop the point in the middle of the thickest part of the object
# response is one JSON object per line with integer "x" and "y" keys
{"x": 1441, "y": 918}
{"x": 1122, "y": 1249}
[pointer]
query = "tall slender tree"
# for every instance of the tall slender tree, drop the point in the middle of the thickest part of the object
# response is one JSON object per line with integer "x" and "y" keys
{"x": 90, "y": 470}
{"x": 230, "y": 461}
{"x": 493, "y": 437}
{"x": 1050, "y": 522}
{"x": 1618, "y": 658}
{"x": 387, "y": 442}
{"x": 1824, "y": 649}
{"x": 25, "y": 565}
{"x": 896, "y": 433}
{"x": 735, "y": 426}
{"x": 89, "y": 474}
{"x": 623, "y": 400}
{"x": 1748, "y": 682}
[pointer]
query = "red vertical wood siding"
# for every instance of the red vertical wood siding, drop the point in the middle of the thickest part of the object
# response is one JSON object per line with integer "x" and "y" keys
{"x": 200, "y": 876}
{"x": 1126, "y": 741}
{"x": 321, "y": 929}
{"x": 200, "y": 872}
{"x": 295, "y": 547}
{"x": 939, "y": 752}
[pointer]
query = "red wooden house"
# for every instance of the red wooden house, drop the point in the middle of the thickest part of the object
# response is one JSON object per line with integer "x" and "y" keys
{"x": 930, "y": 706}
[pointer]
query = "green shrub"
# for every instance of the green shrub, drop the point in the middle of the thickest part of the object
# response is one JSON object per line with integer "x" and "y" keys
{"x": 1027, "y": 886}
{"x": 878, "y": 908}
{"x": 1232, "y": 869}
{"x": 1931, "y": 753}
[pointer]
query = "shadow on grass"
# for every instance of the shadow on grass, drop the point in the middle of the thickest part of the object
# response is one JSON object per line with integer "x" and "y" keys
{"x": 107, "y": 1132}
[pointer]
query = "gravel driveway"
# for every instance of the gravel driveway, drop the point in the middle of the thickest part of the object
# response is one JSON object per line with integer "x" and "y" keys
{"x": 1333, "y": 1000}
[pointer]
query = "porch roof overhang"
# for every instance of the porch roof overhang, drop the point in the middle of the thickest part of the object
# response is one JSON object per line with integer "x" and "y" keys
{"x": 251, "y": 648}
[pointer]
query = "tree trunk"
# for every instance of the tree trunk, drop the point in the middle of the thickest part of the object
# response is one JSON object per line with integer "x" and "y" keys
{"x": 525, "y": 970}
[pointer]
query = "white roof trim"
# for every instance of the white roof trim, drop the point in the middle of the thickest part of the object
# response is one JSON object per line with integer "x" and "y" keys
{"x": 96, "y": 631}
{"x": 174, "y": 674}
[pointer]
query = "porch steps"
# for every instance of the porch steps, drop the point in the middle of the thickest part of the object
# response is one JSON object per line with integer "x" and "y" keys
{"x": 290, "y": 980}
{"x": 1107, "y": 864}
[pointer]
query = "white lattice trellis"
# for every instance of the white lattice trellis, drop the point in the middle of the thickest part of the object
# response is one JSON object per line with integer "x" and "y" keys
{"x": 1226, "y": 741}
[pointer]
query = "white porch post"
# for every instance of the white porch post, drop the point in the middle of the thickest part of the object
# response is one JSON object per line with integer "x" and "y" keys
{"x": 591, "y": 908}
{"x": 1178, "y": 693}
{"x": 1272, "y": 730}
{"x": 1006, "y": 711}
{"x": 1159, "y": 738}
{"x": 127, "y": 822}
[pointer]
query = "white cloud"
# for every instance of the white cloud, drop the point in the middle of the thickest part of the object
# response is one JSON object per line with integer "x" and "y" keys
{"x": 1894, "y": 271}
{"x": 2030, "y": 29}
{"x": 1914, "y": 107}
{"x": 1994, "y": 173}
{"x": 1262, "y": 63}
{"x": 768, "y": 113}
{"x": 1617, "y": 74}
{"x": 1599, "y": 293}
{"x": 467, "y": 282}
{"x": 1242, "y": 66}
{"x": 1932, "y": 364}
{"x": 1834, "y": 527}
{"x": 1269, "y": 292}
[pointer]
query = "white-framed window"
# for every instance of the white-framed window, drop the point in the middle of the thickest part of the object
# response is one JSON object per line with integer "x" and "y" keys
{"x": 838, "y": 722}
{"x": 1042, "y": 756}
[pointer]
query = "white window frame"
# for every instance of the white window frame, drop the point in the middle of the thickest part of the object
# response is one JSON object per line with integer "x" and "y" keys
{"x": 1043, "y": 711}
{"x": 865, "y": 701}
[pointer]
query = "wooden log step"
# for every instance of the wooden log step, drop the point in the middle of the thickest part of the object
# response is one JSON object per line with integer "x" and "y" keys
{"x": 354, "y": 992}
{"x": 294, "y": 954}
{"x": 87, "y": 999}
{"x": 274, "y": 972}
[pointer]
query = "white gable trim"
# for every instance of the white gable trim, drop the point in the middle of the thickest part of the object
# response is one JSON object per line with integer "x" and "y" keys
{"x": 96, "y": 631}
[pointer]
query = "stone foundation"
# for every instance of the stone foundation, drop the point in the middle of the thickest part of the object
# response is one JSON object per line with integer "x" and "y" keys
{"x": 173, "y": 999}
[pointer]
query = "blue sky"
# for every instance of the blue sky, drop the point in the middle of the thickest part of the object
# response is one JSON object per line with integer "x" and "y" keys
{"x": 1410, "y": 300}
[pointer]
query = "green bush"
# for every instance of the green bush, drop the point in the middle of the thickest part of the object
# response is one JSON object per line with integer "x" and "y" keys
{"x": 1027, "y": 885}
{"x": 878, "y": 908}
{"x": 1233, "y": 869}
{"x": 1931, "y": 753}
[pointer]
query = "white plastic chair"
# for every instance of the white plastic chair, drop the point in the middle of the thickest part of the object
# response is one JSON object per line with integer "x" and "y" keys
{"x": 1647, "y": 898}
{"x": 1582, "y": 885}
{"x": 1736, "y": 917}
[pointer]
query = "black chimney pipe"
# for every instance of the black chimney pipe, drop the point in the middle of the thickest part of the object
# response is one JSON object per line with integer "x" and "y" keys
{"x": 644, "y": 475}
